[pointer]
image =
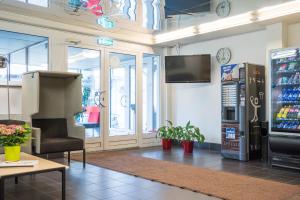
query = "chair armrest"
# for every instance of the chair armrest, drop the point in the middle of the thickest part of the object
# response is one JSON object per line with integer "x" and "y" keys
{"x": 36, "y": 137}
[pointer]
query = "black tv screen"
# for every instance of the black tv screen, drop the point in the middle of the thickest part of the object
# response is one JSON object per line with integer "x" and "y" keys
{"x": 178, "y": 7}
{"x": 187, "y": 69}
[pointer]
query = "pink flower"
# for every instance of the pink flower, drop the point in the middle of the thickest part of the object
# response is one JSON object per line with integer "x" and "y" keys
{"x": 6, "y": 131}
{"x": 11, "y": 129}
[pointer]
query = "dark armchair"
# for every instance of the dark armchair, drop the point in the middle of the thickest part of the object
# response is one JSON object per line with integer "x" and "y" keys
{"x": 53, "y": 137}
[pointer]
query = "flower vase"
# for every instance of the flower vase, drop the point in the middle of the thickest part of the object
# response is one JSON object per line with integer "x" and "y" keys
{"x": 166, "y": 144}
{"x": 188, "y": 146}
{"x": 12, "y": 153}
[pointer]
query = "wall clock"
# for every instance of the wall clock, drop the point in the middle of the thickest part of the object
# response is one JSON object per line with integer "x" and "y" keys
{"x": 223, "y": 56}
{"x": 223, "y": 8}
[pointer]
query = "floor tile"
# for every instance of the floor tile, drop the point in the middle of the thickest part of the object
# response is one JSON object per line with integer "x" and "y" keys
{"x": 96, "y": 183}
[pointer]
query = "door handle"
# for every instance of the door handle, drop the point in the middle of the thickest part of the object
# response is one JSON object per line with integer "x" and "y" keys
{"x": 123, "y": 101}
{"x": 98, "y": 99}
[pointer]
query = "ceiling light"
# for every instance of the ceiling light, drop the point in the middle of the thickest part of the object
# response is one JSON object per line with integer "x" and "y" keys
{"x": 175, "y": 35}
{"x": 225, "y": 23}
{"x": 276, "y": 11}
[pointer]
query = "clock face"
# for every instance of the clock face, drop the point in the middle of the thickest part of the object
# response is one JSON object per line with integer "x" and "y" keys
{"x": 223, "y": 56}
{"x": 223, "y": 9}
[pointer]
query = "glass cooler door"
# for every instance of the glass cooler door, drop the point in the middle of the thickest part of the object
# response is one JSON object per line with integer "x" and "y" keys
{"x": 285, "y": 91}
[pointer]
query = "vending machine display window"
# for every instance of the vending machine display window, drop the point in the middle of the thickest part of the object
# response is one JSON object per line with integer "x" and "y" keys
{"x": 285, "y": 91}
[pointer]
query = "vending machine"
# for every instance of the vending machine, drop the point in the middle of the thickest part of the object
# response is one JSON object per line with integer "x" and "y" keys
{"x": 243, "y": 110}
{"x": 284, "y": 137}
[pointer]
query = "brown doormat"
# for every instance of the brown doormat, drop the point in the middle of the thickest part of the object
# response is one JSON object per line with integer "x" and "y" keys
{"x": 214, "y": 183}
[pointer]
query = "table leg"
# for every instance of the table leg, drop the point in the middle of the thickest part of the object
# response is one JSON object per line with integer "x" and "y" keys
{"x": 1, "y": 188}
{"x": 63, "y": 184}
{"x": 69, "y": 158}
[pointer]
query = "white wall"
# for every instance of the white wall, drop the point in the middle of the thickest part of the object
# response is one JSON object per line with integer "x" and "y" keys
{"x": 293, "y": 39}
{"x": 201, "y": 102}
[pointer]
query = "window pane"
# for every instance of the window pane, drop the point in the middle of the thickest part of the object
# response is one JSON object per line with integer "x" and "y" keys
{"x": 17, "y": 65}
{"x": 43, "y": 3}
{"x": 38, "y": 62}
{"x": 124, "y": 8}
{"x": 87, "y": 62}
{"x": 122, "y": 94}
{"x": 3, "y": 72}
{"x": 151, "y": 14}
{"x": 151, "y": 86}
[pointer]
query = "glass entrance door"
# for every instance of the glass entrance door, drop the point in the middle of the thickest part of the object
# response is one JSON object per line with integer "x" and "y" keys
{"x": 122, "y": 100}
{"x": 88, "y": 63}
{"x": 110, "y": 118}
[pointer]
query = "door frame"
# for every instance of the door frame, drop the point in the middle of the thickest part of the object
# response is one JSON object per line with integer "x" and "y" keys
{"x": 149, "y": 139}
{"x": 127, "y": 141}
{"x": 95, "y": 143}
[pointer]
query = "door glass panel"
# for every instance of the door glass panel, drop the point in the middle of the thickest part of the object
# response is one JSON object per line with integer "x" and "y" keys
{"x": 122, "y": 94}
{"x": 151, "y": 86}
{"x": 87, "y": 62}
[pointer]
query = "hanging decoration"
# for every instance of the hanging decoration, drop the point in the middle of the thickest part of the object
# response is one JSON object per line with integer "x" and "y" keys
{"x": 94, "y": 6}
{"x": 106, "y": 22}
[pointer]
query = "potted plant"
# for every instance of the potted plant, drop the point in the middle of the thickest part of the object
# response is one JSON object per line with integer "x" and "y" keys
{"x": 11, "y": 137}
{"x": 187, "y": 135}
{"x": 166, "y": 133}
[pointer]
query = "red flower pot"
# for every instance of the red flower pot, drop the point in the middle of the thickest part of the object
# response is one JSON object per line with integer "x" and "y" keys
{"x": 166, "y": 144}
{"x": 188, "y": 146}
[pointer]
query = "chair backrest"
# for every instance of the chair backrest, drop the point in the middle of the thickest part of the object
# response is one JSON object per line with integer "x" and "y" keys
{"x": 93, "y": 114}
{"x": 51, "y": 128}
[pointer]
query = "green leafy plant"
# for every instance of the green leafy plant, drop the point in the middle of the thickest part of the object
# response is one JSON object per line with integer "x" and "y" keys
{"x": 189, "y": 133}
{"x": 14, "y": 135}
{"x": 85, "y": 96}
{"x": 167, "y": 132}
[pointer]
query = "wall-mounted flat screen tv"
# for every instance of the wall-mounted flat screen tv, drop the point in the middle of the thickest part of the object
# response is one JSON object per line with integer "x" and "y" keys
{"x": 181, "y": 7}
{"x": 188, "y": 69}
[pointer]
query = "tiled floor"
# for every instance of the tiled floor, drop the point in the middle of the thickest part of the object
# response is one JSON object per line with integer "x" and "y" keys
{"x": 97, "y": 183}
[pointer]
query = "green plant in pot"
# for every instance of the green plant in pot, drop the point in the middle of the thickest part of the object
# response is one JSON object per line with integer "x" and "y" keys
{"x": 166, "y": 133}
{"x": 187, "y": 135}
{"x": 11, "y": 138}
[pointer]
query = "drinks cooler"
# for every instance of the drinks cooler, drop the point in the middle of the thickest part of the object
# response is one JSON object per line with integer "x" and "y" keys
{"x": 284, "y": 138}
